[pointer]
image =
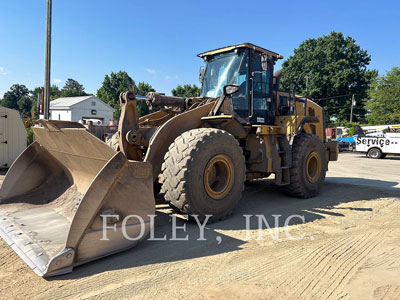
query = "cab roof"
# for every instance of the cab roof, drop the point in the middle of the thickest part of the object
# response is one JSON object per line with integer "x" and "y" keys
{"x": 244, "y": 45}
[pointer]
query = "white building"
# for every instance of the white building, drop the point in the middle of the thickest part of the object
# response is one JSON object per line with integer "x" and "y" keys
{"x": 80, "y": 108}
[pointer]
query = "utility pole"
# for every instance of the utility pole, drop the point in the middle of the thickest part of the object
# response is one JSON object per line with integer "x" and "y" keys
{"x": 46, "y": 110}
{"x": 351, "y": 110}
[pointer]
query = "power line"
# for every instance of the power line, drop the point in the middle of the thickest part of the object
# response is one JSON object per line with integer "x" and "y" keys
{"x": 387, "y": 100}
{"x": 341, "y": 106}
{"x": 333, "y": 97}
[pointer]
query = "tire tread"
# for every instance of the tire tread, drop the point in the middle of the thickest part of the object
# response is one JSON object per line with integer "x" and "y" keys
{"x": 175, "y": 169}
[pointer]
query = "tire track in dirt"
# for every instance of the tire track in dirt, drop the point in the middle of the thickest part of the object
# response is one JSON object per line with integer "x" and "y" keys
{"x": 383, "y": 259}
{"x": 111, "y": 282}
{"x": 265, "y": 272}
{"x": 325, "y": 272}
{"x": 325, "y": 264}
{"x": 119, "y": 278}
{"x": 313, "y": 258}
{"x": 316, "y": 263}
{"x": 388, "y": 258}
{"x": 114, "y": 280}
{"x": 103, "y": 271}
{"x": 387, "y": 292}
{"x": 190, "y": 270}
{"x": 255, "y": 265}
{"x": 349, "y": 267}
{"x": 8, "y": 259}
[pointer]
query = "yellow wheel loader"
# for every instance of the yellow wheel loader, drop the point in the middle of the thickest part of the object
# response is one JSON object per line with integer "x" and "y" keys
{"x": 69, "y": 198}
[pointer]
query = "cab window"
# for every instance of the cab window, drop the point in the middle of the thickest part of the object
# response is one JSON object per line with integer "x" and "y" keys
{"x": 261, "y": 85}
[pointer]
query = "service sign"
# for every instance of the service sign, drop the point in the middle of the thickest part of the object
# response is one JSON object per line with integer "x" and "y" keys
{"x": 385, "y": 144}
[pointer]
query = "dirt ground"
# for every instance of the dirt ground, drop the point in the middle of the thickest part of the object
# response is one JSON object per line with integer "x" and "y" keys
{"x": 350, "y": 249}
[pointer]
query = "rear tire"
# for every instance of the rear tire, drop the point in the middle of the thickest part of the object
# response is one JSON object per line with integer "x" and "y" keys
{"x": 203, "y": 173}
{"x": 374, "y": 153}
{"x": 309, "y": 165}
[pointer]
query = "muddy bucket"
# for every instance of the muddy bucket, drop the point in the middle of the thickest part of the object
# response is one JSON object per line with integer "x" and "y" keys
{"x": 69, "y": 199}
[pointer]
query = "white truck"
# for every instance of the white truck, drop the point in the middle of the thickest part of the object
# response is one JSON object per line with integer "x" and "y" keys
{"x": 379, "y": 146}
{"x": 379, "y": 130}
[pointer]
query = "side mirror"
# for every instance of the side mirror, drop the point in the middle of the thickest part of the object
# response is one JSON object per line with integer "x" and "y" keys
{"x": 201, "y": 74}
{"x": 230, "y": 89}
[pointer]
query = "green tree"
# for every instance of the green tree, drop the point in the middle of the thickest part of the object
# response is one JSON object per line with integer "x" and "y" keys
{"x": 186, "y": 91}
{"x": 72, "y": 88}
{"x": 143, "y": 89}
{"x": 29, "y": 136}
{"x": 384, "y": 100}
{"x": 338, "y": 66}
{"x": 116, "y": 83}
{"x": 36, "y": 92}
{"x": 25, "y": 106}
{"x": 11, "y": 98}
{"x": 55, "y": 92}
{"x": 112, "y": 86}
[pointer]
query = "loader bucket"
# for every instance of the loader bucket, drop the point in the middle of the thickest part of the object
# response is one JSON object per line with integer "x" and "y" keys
{"x": 66, "y": 200}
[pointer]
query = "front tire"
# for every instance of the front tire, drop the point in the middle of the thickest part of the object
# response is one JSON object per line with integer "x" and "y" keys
{"x": 374, "y": 153}
{"x": 204, "y": 173}
{"x": 309, "y": 165}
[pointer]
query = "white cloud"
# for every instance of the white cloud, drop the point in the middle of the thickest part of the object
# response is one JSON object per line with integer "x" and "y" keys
{"x": 151, "y": 71}
{"x": 56, "y": 80}
{"x": 171, "y": 77}
{"x": 3, "y": 71}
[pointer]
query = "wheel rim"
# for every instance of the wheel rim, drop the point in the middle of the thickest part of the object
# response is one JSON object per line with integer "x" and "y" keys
{"x": 313, "y": 167}
{"x": 374, "y": 153}
{"x": 218, "y": 176}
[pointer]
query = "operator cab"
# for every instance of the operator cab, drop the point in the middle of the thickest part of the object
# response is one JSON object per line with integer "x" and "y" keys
{"x": 251, "y": 69}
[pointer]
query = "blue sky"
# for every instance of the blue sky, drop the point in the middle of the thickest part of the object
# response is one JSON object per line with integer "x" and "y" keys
{"x": 157, "y": 41}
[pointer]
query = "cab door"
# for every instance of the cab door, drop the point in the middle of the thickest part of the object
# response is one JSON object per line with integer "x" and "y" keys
{"x": 261, "y": 93}
{"x": 3, "y": 140}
